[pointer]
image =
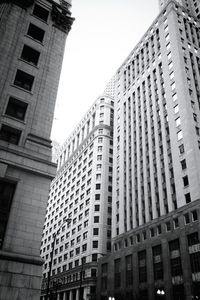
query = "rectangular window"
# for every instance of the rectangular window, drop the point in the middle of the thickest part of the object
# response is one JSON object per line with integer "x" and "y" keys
{"x": 97, "y": 208}
{"x": 178, "y": 122}
{"x": 16, "y": 108}
{"x": 179, "y": 135}
{"x": 95, "y": 244}
{"x": 142, "y": 265}
{"x": 157, "y": 262}
{"x": 36, "y": 33}
{"x": 129, "y": 270}
{"x": 185, "y": 181}
{"x": 96, "y": 219}
{"x": 176, "y": 109}
{"x": 10, "y": 134}
{"x": 95, "y": 231}
{"x": 6, "y": 191}
{"x": 117, "y": 273}
{"x": 40, "y": 12}
{"x": 24, "y": 80}
{"x": 98, "y": 186}
{"x": 30, "y": 55}
{"x": 97, "y": 197}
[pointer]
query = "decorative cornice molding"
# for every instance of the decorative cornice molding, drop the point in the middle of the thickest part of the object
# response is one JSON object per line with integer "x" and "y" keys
{"x": 21, "y": 258}
{"x": 21, "y": 3}
{"x": 61, "y": 18}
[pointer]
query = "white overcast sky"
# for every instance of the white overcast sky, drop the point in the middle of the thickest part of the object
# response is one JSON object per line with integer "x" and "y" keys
{"x": 102, "y": 36}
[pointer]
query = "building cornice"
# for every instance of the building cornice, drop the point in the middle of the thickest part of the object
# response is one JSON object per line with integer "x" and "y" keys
{"x": 61, "y": 17}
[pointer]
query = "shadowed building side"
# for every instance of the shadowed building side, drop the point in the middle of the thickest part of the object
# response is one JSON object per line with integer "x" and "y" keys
{"x": 33, "y": 35}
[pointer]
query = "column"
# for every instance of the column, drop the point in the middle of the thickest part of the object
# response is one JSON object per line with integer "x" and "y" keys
{"x": 77, "y": 294}
{"x": 64, "y": 296}
{"x": 70, "y": 295}
{"x": 85, "y": 292}
{"x": 58, "y": 296}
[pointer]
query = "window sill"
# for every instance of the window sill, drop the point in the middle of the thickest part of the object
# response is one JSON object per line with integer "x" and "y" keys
{"x": 30, "y": 64}
{"x": 24, "y": 90}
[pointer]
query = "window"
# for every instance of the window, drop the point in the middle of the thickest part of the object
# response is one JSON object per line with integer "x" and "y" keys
{"x": 97, "y": 197}
{"x": 98, "y": 186}
{"x": 30, "y": 55}
{"x": 117, "y": 273}
{"x": 178, "y": 122}
{"x": 10, "y": 134}
{"x": 185, "y": 181}
{"x": 98, "y": 176}
{"x": 95, "y": 231}
{"x": 95, "y": 244}
{"x": 129, "y": 270}
{"x": 174, "y": 97}
{"x": 181, "y": 149}
{"x": 96, "y": 219}
{"x": 40, "y": 12}
{"x": 183, "y": 164}
{"x": 93, "y": 273}
{"x": 168, "y": 226}
{"x": 94, "y": 257}
{"x": 97, "y": 208}
{"x": 176, "y": 223}
{"x": 100, "y": 140}
{"x": 179, "y": 135}
{"x": 194, "y": 215}
{"x": 187, "y": 218}
{"x": 36, "y": 33}
{"x": 84, "y": 247}
{"x": 193, "y": 239}
{"x": 24, "y": 80}
{"x": 176, "y": 109}
{"x": 16, "y": 108}
{"x": 6, "y": 191}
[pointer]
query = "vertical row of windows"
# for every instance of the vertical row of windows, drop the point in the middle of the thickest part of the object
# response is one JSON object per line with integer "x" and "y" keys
{"x": 16, "y": 108}
{"x": 142, "y": 59}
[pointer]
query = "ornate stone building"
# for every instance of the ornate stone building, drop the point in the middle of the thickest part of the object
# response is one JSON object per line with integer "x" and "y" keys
{"x": 33, "y": 35}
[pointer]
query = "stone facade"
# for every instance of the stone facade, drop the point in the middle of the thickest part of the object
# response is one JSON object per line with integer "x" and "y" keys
{"x": 32, "y": 46}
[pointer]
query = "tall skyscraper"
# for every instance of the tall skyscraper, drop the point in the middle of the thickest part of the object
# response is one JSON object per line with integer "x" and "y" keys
{"x": 32, "y": 42}
{"x": 156, "y": 166}
{"x": 81, "y": 192}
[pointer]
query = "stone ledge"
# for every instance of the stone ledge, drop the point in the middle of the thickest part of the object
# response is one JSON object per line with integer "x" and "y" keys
{"x": 22, "y": 258}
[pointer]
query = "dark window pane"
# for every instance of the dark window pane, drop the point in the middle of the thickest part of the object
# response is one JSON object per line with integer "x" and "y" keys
{"x": 16, "y": 108}
{"x": 6, "y": 191}
{"x": 193, "y": 239}
{"x": 30, "y": 55}
{"x": 10, "y": 135}
{"x": 36, "y": 33}
{"x": 24, "y": 80}
{"x": 40, "y": 12}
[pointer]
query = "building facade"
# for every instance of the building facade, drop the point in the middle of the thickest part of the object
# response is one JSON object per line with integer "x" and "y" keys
{"x": 156, "y": 162}
{"x": 81, "y": 192}
{"x": 33, "y": 35}
{"x": 157, "y": 261}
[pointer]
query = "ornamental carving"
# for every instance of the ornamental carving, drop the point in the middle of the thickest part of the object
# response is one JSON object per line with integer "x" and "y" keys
{"x": 21, "y": 3}
{"x": 61, "y": 18}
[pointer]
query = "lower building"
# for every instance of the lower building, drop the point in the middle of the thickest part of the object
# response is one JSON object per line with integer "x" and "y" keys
{"x": 81, "y": 193}
{"x": 159, "y": 260}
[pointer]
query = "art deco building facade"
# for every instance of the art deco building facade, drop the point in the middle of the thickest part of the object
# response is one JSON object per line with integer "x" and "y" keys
{"x": 82, "y": 192}
{"x": 33, "y": 35}
{"x": 156, "y": 167}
